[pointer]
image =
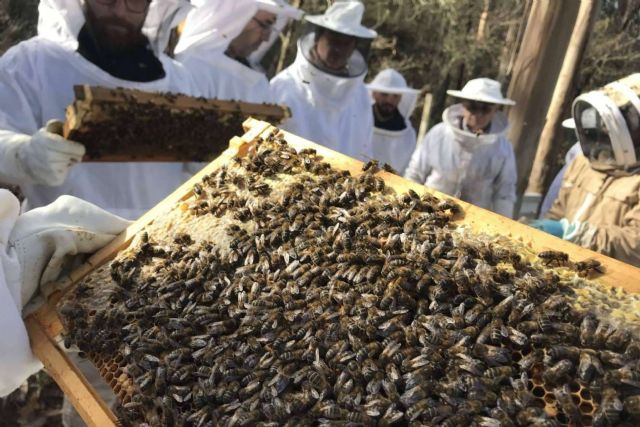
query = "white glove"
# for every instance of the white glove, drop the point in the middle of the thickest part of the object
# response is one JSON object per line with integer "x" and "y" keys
{"x": 43, "y": 158}
{"x": 44, "y": 238}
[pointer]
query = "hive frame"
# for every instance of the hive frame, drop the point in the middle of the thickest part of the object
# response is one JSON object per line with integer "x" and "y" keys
{"x": 44, "y": 325}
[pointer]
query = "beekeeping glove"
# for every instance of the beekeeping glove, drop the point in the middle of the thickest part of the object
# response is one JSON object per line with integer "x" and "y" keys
{"x": 550, "y": 226}
{"x": 42, "y": 158}
{"x": 578, "y": 232}
{"x": 17, "y": 362}
{"x": 45, "y": 239}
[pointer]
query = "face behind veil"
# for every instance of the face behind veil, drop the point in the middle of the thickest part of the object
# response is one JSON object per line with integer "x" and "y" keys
{"x": 61, "y": 20}
{"x": 213, "y": 24}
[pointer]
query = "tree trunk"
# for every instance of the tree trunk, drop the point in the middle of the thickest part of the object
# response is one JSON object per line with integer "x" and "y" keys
{"x": 540, "y": 176}
{"x": 482, "y": 24}
{"x": 286, "y": 40}
{"x": 537, "y": 67}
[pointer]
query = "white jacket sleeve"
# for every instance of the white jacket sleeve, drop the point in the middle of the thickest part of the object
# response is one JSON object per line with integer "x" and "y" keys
{"x": 17, "y": 362}
{"x": 419, "y": 167}
{"x": 20, "y": 114}
{"x": 504, "y": 189}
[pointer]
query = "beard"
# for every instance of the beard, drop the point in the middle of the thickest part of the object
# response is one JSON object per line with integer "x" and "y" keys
{"x": 385, "y": 109}
{"x": 113, "y": 35}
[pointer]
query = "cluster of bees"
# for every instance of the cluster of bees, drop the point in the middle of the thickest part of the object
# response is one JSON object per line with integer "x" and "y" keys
{"x": 186, "y": 134}
{"x": 337, "y": 302}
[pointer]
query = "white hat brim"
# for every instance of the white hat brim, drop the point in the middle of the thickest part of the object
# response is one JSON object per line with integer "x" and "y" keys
{"x": 280, "y": 10}
{"x": 569, "y": 123}
{"x": 394, "y": 90}
{"x": 487, "y": 99}
{"x": 356, "y": 31}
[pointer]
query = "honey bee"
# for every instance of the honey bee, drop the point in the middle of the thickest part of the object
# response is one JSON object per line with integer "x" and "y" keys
{"x": 558, "y": 372}
{"x": 589, "y": 267}
{"x": 632, "y": 405}
{"x": 565, "y": 401}
{"x": 610, "y": 408}
{"x": 553, "y": 258}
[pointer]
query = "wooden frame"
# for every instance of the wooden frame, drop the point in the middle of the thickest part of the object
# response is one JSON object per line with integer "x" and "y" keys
{"x": 44, "y": 325}
{"x": 93, "y": 107}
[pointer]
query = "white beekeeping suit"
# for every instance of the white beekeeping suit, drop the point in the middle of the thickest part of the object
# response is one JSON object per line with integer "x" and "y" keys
{"x": 17, "y": 361}
{"x": 477, "y": 168}
{"x": 285, "y": 13}
{"x": 332, "y": 109}
{"x": 208, "y": 30}
{"x": 395, "y": 147}
{"x": 36, "y": 85}
{"x": 33, "y": 247}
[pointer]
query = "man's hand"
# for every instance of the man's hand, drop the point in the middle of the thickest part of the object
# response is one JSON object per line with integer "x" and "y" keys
{"x": 45, "y": 238}
{"x": 47, "y": 156}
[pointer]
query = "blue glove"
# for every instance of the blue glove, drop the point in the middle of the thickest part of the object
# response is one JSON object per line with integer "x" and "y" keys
{"x": 550, "y": 226}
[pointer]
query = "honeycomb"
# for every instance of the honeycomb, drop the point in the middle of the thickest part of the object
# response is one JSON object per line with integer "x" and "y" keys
{"x": 168, "y": 232}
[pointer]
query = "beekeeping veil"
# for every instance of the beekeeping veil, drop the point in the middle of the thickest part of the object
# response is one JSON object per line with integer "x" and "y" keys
{"x": 61, "y": 20}
{"x": 344, "y": 17}
{"x": 284, "y": 13}
{"x": 213, "y": 24}
{"x": 608, "y": 126}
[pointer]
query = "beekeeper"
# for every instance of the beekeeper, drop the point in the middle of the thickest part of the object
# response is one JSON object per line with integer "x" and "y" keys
{"x": 394, "y": 138}
{"x": 260, "y": 28}
{"x": 468, "y": 155}
{"x": 33, "y": 249}
{"x": 96, "y": 42}
{"x": 217, "y": 38}
{"x": 598, "y": 206}
{"x": 324, "y": 87}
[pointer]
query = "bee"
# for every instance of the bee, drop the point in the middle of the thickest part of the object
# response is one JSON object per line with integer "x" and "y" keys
{"x": 589, "y": 267}
{"x": 535, "y": 416}
{"x": 558, "y": 372}
{"x": 388, "y": 168}
{"x": 558, "y": 352}
{"x": 517, "y": 337}
{"x": 632, "y": 405}
{"x": 618, "y": 339}
{"x": 553, "y": 258}
{"x": 587, "y": 330}
{"x": 498, "y": 373}
{"x": 493, "y": 356}
{"x": 372, "y": 166}
{"x": 565, "y": 401}
{"x": 420, "y": 407}
{"x": 413, "y": 395}
{"x": 610, "y": 408}
{"x": 331, "y": 411}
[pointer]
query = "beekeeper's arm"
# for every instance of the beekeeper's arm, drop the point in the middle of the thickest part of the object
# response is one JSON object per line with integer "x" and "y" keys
{"x": 419, "y": 167}
{"x": 620, "y": 241}
{"x": 33, "y": 249}
{"x": 504, "y": 188}
{"x": 31, "y": 152}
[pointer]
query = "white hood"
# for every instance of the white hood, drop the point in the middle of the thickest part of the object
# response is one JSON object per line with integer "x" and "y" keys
{"x": 61, "y": 20}
{"x": 469, "y": 140}
{"x": 213, "y": 24}
{"x": 324, "y": 90}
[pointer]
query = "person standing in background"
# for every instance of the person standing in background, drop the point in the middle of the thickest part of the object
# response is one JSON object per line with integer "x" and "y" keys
{"x": 324, "y": 87}
{"x": 468, "y": 155}
{"x": 394, "y": 138}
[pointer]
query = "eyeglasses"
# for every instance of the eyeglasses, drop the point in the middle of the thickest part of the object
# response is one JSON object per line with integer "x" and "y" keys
{"x": 265, "y": 26}
{"x": 134, "y": 6}
{"x": 478, "y": 107}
